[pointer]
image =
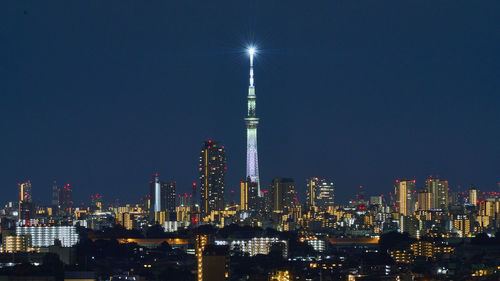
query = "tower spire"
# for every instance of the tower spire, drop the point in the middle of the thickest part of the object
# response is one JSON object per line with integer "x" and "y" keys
{"x": 252, "y": 122}
{"x": 251, "y": 52}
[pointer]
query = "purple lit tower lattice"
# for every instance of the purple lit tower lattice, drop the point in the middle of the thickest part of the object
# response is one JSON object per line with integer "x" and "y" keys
{"x": 251, "y": 122}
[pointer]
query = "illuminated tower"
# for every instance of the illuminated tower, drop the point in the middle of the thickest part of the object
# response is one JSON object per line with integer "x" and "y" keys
{"x": 473, "y": 199}
{"x": 311, "y": 191}
{"x": 155, "y": 193}
{"x": 424, "y": 200}
{"x": 249, "y": 197}
{"x": 25, "y": 195}
{"x": 439, "y": 193}
{"x": 212, "y": 177}
{"x": 65, "y": 201}
{"x": 283, "y": 195}
{"x": 252, "y": 121}
{"x": 325, "y": 194}
{"x": 405, "y": 196}
{"x": 319, "y": 193}
{"x": 25, "y": 202}
{"x": 193, "y": 194}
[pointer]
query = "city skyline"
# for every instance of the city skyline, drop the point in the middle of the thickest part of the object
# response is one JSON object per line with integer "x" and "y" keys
{"x": 130, "y": 131}
{"x": 101, "y": 131}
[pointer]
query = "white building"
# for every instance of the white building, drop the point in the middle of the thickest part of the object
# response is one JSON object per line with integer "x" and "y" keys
{"x": 256, "y": 245}
{"x": 44, "y": 236}
{"x": 317, "y": 244}
{"x": 173, "y": 226}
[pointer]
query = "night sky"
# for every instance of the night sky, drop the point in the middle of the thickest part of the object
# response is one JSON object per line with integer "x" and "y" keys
{"x": 101, "y": 94}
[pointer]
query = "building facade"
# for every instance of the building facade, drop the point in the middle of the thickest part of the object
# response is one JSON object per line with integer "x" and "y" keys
{"x": 405, "y": 196}
{"x": 282, "y": 194}
{"x": 439, "y": 193}
{"x": 44, "y": 236}
{"x": 212, "y": 177}
{"x": 319, "y": 193}
{"x": 249, "y": 196}
{"x": 168, "y": 196}
{"x": 65, "y": 199}
{"x": 155, "y": 194}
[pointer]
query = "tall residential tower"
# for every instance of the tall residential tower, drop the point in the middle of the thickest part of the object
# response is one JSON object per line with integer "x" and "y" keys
{"x": 405, "y": 196}
{"x": 252, "y": 122}
{"x": 212, "y": 177}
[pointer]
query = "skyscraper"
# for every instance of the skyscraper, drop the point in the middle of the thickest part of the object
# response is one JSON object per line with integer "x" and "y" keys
{"x": 168, "y": 196}
{"x": 25, "y": 191}
{"x": 55, "y": 194}
{"x": 252, "y": 122}
{"x": 25, "y": 201}
{"x": 311, "y": 192}
{"x": 244, "y": 195}
{"x": 424, "y": 200}
{"x": 405, "y": 196}
{"x": 155, "y": 193}
{"x": 65, "y": 201}
{"x": 193, "y": 194}
{"x": 249, "y": 195}
{"x": 439, "y": 193}
{"x": 325, "y": 194}
{"x": 282, "y": 193}
{"x": 473, "y": 198}
{"x": 212, "y": 177}
{"x": 320, "y": 193}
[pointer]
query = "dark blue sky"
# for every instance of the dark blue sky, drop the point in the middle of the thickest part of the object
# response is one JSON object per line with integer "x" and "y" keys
{"x": 102, "y": 93}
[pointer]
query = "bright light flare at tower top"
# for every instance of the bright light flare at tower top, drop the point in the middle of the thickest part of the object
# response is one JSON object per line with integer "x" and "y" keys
{"x": 251, "y": 50}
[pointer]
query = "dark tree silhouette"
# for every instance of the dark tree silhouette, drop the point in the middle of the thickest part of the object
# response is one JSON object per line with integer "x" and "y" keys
{"x": 394, "y": 240}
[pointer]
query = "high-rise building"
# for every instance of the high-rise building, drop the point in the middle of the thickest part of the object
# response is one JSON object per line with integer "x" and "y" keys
{"x": 244, "y": 195}
{"x": 96, "y": 200}
{"x": 26, "y": 207}
{"x": 212, "y": 177}
{"x": 325, "y": 194}
{"x": 65, "y": 201}
{"x": 193, "y": 194}
{"x": 320, "y": 193}
{"x": 55, "y": 194}
{"x": 410, "y": 225}
{"x": 405, "y": 196}
{"x": 201, "y": 241}
{"x": 282, "y": 194}
{"x": 311, "y": 192}
{"x": 473, "y": 199}
{"x": 251, "y": 123}
{"x": 249, "y": 196}
{"x": 155, "y": 193}
{"x": 439, "y": 193}
{"x": 168, "y": 196}
{"x": 26, "y": 195}
{"x": 424, "y": 200}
